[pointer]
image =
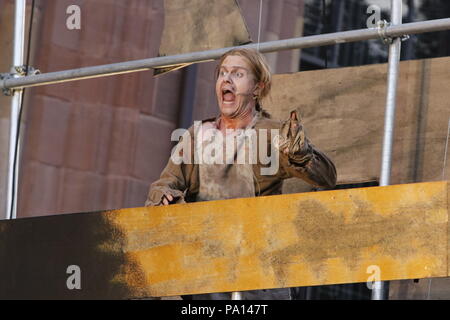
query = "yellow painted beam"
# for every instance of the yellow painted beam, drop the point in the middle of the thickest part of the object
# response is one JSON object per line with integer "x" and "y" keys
{"x": 319, "y": 238}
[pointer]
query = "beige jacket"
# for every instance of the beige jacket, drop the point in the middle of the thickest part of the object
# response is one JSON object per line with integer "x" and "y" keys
{"x": 303, "y": 161}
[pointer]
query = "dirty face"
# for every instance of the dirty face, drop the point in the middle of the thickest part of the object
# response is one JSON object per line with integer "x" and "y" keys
{"x": 235, "y": 87}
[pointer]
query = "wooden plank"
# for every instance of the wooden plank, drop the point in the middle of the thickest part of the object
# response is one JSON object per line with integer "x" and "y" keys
{"x": 422, "y": 289}
{"x": 197, "y": 17}
{"x": 304, "y": 239}
{"x": 343, "y": 113}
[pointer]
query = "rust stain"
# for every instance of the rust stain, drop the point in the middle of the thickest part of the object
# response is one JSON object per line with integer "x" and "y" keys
{"x": 323, "y": 234}
{"x": 213, "y": 247}
{"x": 197, "y": 231}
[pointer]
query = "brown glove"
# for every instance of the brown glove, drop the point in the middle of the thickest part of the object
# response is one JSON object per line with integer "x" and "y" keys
{"x": 293, "y": 141}
{"x": 164, "y": 196}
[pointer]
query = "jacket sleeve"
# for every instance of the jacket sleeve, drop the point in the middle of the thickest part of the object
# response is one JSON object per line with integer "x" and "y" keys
{"x": 175, "y": 179}
{"x": 299, "y": 158}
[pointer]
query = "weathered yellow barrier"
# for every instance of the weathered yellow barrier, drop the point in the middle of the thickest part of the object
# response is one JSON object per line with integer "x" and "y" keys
{"x": 306, "y": 239}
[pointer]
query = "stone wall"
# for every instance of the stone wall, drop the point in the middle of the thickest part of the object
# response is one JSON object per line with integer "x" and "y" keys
{"x": 98, "y": 144}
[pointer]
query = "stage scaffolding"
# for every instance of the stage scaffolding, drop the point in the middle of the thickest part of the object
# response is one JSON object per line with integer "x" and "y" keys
{"x": 391, "y": 33}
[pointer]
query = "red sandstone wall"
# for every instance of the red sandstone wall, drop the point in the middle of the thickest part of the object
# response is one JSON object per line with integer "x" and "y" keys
{"x": 98, "y": 144}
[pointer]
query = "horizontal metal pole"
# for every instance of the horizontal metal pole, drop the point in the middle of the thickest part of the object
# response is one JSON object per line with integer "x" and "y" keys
{"x": 271, "y": 46}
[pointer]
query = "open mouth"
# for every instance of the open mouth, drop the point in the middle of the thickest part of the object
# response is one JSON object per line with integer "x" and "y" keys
{"x": 228, "y": 96}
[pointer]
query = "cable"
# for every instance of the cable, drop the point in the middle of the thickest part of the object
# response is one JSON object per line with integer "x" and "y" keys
{"x": 445, "y": 153}
{"x": 19, "y": 121}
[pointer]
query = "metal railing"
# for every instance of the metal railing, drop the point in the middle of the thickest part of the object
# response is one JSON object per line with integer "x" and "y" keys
{"x": 393, "y": 31}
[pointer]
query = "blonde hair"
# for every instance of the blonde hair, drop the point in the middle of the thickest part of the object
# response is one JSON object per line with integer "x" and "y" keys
{"x": 259, "y": 68}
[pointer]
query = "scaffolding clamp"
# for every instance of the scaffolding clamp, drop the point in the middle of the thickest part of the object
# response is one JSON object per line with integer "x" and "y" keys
{"x": 382, "y": 26}
{"x": 3, "y": 77}
{"x": 17, "y": 72}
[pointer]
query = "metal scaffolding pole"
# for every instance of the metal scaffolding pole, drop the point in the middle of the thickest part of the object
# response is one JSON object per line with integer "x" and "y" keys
{"x": 16, "y": 103}
{"x": 271, "y": 46}
{"x": 380, "y": 289}
{"x": 237, "y": 295}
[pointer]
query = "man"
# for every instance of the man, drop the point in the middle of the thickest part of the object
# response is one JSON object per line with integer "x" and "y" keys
{"x": 226, "y": 157}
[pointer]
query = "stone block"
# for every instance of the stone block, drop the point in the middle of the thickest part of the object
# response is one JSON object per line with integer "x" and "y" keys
{"x": 83, "y": 140}
{"x": 168, "y": 90}
{"x": 81, "y": 191}
{"x": 48, "y": 120}
{"x": 123, "y": 141}
{"x": 152, "y": 148}
{"x": 39, "y": 190}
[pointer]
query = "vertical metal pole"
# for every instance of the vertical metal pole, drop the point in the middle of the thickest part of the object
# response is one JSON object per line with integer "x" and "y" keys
{"x": 236, "y": 295}
{"x": 380, "y": 289}
{"x": 18, "y": 60}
